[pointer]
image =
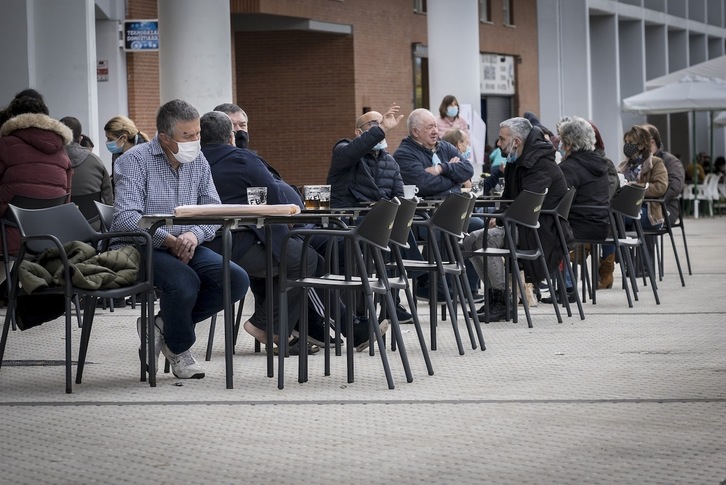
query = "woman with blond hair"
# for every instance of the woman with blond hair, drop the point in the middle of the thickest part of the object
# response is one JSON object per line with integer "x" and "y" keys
{"x": 122, "y": 135}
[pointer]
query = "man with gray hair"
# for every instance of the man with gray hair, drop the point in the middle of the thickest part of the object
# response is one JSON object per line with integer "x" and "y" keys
{"x": 530, "y": 166}
{"x": 154, "y": 178}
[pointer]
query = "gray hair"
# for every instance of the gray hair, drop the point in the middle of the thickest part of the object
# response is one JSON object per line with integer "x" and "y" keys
{"x": 518, "y": 127}
{"x": 230, "y": 109}
{"x": 576, "y": 133}
{"x": 414, "y": 119}
{"x": 173, "y": 112}
{"x": 216, "y": 128}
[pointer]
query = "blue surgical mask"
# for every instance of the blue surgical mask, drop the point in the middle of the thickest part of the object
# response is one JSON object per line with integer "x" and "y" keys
{"x": 512, "y": 154}
{"x": 561, "y": 151}
{"x": 381, "y": 145}
{"x": 113, "y": 146}
{"x": 467, "y": 153}
{"x": 452, "y": 111}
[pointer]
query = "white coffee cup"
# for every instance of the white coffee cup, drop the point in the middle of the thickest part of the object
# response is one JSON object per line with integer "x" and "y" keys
{"x": 409, "y": 191}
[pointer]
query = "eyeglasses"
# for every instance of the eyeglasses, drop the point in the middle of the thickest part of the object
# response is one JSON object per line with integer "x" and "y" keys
{"x": 372, "y": 123}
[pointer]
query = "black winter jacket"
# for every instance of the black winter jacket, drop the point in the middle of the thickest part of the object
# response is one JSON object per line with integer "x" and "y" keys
{"x": 358, "y": 174}
{"x": 587, "y": 172}
{"x": 536, "y": 170}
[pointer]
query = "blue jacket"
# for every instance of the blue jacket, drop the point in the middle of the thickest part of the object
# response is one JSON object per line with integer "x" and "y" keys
{"x": 233, "y": 170}
{"x": 413, "y": 159}
{"x": 357, "y": 174}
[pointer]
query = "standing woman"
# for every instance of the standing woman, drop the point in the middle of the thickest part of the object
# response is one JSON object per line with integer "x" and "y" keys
{"x": 449, "y": 116}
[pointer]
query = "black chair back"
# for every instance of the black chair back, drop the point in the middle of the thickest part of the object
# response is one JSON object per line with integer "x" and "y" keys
{"x": 105, "y": 213}
{"x": 64, "y": 221}
{"x": 452, "y": 214}
{"x": 628, "y": 200}
{"x": 402, "y": 224}
{"x": 383, "y": 214}
{"x": 565, "y": 203}
{"x": 86, "y": 204}
{"x": 525, "y": 209}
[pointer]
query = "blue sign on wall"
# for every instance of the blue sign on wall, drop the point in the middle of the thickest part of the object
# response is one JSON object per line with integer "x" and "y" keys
{"x": 141, "y": 35}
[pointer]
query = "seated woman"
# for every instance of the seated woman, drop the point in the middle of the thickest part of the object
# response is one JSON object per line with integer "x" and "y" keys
{"x": 586, "y": 171}
{"x": 642, "y": 168}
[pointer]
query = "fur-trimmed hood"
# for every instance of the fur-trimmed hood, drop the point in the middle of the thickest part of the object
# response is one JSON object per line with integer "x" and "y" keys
{"x": 37, "y": 121}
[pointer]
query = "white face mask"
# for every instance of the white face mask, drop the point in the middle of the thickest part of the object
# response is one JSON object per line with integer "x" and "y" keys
{"x": 188, "y": 151}
{"x": 380, "y": 146}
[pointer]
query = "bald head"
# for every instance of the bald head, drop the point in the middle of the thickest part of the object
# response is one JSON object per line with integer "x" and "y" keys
{"x": 367, "y": 120}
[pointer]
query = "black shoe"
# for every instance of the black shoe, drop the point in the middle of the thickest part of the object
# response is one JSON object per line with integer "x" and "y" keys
{"x": 293, "y": 348}
{"x": 571, "y": 298}
{"x": 477, "y": 296}
{"x": 403, "y": 315}
{"x": 422, "y": 293}
{"x": 497, "y": 313}
{"x": 361, "y": 333}
{"x": 316, "y": 332}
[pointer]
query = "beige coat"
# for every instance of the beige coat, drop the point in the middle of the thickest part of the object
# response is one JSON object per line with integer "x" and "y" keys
{"x": 654, "y": 174}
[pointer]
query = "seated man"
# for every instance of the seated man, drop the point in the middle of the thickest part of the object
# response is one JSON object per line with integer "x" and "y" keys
{"x": 530, "y": 166}
{"x": 362, "y": 171}
{"x": 233, "y": 170}
{"x": 154, "y": 178}
{"x": 240, "y": 125}
{"x": 436, "y": 167}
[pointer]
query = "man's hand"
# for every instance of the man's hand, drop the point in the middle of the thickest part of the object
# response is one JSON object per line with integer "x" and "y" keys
{"x": 455, "y": 160}
{"x": 390, "y": 120}
{"x": 184, "y": 246}
{"x": 435, "y": 170}
{"x": 467, "y": 184}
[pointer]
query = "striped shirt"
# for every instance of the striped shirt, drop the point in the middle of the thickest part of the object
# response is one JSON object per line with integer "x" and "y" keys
{"x": 146, "y": 184}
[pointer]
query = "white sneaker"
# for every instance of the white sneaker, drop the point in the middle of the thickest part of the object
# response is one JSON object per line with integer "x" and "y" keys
{"x": 184, "y": 365}
{"x": 158, "y": 336}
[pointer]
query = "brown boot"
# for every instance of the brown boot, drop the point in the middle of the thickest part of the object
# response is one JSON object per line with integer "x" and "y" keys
{"x": 575, "y": 254}
{"x": 607, "y": 266}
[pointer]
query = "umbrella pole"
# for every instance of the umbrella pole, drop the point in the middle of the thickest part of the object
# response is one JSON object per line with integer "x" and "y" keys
{"x": 694, "y": 162}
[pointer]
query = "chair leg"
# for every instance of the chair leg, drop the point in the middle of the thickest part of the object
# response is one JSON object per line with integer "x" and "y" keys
{"x": 419, "y": 331}
{"x": 210, "y": 339}
{"x": 397, "y": 335}
{"x": 88, "y": 314}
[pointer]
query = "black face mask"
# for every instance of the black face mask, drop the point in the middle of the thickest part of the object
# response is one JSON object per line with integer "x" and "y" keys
{"x": 241, "y": 139}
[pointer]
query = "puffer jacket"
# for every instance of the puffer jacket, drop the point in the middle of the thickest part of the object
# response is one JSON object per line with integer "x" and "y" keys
{"x": 358, "y": 175}
{"x": 89, "y": 270}
{"x": 33, "y": 162}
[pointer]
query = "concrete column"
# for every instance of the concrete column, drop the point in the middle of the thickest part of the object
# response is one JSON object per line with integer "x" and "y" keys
{"x": 454, "y": 57}
{"x": 55, "y": 54}
{"x": 195, "y": 60}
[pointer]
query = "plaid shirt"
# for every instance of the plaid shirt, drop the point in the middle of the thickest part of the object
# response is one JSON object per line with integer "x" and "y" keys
{"x": 146, "y": 184}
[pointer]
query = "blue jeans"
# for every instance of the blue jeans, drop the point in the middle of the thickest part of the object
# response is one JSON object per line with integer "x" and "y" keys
{"x": 644, "y": 222}
{"x": 192, "y": 292}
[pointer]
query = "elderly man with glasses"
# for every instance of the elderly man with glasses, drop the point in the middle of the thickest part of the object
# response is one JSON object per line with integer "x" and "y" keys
{"x": 361, "y": 170}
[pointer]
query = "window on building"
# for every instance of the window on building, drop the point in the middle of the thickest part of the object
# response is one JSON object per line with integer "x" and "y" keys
{"x": 485, "y": 10}
{"x": 508, "y": 13}
{"x": 419, "y": 6}
{"x": 420, "y": 76}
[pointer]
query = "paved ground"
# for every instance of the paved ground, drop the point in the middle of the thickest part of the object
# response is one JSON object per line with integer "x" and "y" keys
{"x": 629, "y": 395}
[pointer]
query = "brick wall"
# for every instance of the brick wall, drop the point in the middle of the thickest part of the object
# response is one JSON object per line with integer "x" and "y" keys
{"x": 304, "y": 90}
{"x": 143, "y": 74}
